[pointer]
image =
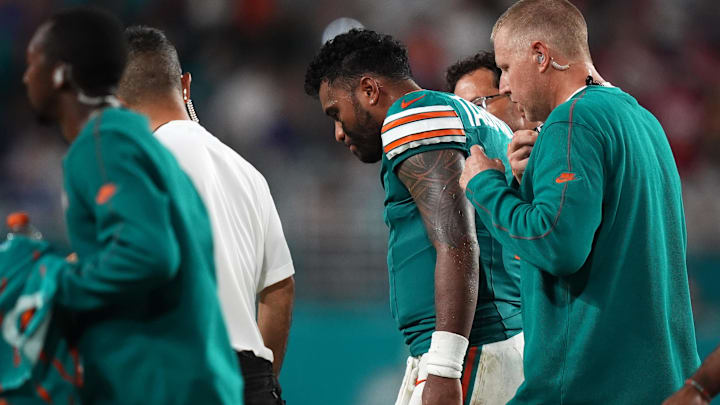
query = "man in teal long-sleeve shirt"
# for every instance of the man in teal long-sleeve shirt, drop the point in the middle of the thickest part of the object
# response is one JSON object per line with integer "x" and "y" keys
{"x": 597, "y": 223}
{"x": 143, "y": 291}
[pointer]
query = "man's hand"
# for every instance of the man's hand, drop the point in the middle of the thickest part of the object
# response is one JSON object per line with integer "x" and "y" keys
{"x": 442, "y": 391}
{"x": 519, "y": 151}
{"x": 476, "y": 163}
{"x": 686, "y": 396}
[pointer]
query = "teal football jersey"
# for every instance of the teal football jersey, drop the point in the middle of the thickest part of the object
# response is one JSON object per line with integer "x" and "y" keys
{"x": 422, "y": 121}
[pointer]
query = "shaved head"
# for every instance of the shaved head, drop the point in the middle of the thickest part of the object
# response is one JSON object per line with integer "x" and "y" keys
{"x": 557, "y": 23}
{"x": 153, "y": 68}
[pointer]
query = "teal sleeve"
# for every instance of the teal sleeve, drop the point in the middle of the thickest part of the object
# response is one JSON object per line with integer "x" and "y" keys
{"x": 555, "y": 230}
{"x": 113, "y": 180}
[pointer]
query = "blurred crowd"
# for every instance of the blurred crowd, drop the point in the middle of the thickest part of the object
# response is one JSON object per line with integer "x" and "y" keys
{"x": 248, "y": 59}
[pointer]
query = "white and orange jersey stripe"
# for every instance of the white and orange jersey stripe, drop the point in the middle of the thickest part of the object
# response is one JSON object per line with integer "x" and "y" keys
{"x": 421, "y": 126}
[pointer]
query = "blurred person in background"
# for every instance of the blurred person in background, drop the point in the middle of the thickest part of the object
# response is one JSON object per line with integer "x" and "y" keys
{"x": 251, "y": 255}
{"x": 143, "y": 289}
{"x": 477, "y": 79}
{"x": 598, "y": 223}
{"x": 450, "y": 287}
{"x": 701, "y": 387}
{"x": 37, "y": 366}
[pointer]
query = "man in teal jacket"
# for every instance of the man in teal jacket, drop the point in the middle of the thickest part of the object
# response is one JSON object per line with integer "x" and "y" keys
{"x": 597, "y": 223}
{"x": 143, "y": 290}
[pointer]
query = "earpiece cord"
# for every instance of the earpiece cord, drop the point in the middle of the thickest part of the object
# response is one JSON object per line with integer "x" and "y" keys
{"x": 191, "y": 111}
{"x": 98, "y": 101}
{"x": 589, "y": 81}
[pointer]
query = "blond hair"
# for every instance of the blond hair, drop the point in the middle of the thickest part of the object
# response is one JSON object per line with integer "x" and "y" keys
{"x": 555, "y": 22}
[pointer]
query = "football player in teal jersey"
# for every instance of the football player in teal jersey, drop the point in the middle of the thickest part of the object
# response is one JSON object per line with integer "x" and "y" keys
{"x": 454, "y": 292}
{"x": 143, "y": 292}
{"x": 598, "y": 223}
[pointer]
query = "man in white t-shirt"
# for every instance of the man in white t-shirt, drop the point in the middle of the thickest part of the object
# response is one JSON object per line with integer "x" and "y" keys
{"x": 252, "y": 258}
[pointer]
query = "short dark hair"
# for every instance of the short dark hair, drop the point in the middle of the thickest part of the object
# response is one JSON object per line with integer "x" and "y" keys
{"x": 354, "y": 53}
{"x": 557, "y": 22}
{"x": 481, "y": 60}
{"x": 153, "y": 65}
{"x": 91, "y": 42}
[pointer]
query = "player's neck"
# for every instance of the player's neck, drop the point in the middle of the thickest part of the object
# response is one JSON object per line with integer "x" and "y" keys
{"x": 400, "y": 89}
{"x": 72, "y": 116}
{"x": 161, "y": 112}
{"x": 574, "y": 79}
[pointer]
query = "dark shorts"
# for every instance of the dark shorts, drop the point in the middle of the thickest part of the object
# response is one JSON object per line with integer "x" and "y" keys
{"x": 261, "y": 384}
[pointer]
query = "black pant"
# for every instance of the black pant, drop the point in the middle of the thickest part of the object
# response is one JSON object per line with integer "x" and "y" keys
{"x": 261, "y": 385}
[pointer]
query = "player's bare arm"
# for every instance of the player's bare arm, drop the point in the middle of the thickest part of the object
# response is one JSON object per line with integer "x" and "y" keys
{"x": 274, "y": 316}
{"x": 432, "y": 179}
{"x": 702, "y": 386}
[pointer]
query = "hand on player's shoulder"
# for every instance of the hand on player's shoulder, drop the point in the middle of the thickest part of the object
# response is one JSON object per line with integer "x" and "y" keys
{"x": 477, "y": 163}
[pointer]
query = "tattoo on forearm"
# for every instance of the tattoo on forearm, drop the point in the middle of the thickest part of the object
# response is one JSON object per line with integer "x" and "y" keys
{"x": 432, "y": 179}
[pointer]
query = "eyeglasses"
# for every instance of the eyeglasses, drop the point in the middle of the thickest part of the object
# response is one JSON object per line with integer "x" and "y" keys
{"x": 485, "y": 100}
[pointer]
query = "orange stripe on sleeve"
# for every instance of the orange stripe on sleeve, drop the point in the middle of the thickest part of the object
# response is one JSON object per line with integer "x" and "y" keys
{"x": 418, "y": 117}
{"x": 423, "y": 135}
{"x": 42, "y": 393}
{"x": 469, "y": 363}
{"x": 61, "y": 370}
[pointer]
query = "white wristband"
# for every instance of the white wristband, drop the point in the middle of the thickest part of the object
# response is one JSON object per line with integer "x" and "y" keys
{"x": 446, "y": 355}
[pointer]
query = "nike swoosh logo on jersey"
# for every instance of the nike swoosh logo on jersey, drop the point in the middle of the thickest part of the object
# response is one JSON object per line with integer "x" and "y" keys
{"x": 565, "y": 177}
{"x": 106, "y": 192}
{"x": 405, "y": 104}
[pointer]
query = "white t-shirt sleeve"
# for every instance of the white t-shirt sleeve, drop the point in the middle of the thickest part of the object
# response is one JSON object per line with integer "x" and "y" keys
{"x": 277, "y": 264}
